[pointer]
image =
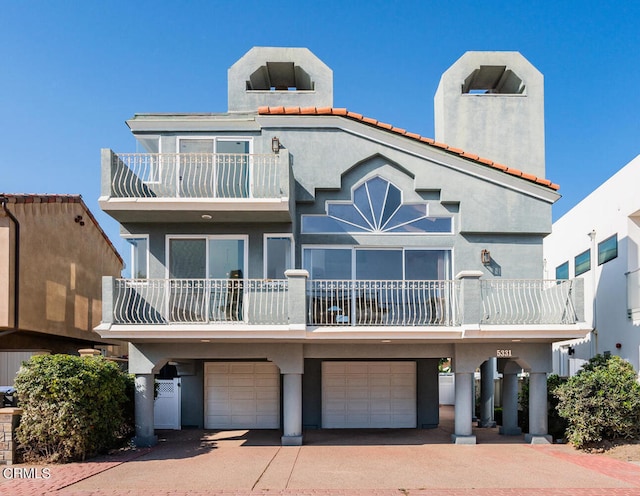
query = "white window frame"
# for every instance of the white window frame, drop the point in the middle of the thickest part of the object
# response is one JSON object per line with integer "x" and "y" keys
{"x": 155, "y": 173}
{"x": 207, "y": 237}
{"x": 131, "y": 253}
{"x": 265, "y": 239}
{"x": 215, "y": 140}
{"x": 404, "y": 249}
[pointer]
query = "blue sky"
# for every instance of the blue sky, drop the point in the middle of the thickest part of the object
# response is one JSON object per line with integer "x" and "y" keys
{"x": 73, "y": 71}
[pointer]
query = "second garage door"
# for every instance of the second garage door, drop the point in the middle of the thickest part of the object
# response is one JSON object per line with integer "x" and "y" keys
{"x": 368, "y": 394}
{"x": 242, "y": 395}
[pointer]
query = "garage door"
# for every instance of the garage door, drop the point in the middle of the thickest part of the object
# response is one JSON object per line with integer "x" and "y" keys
{"x": 242, "y": 395}
{"x": 368, "y": 394}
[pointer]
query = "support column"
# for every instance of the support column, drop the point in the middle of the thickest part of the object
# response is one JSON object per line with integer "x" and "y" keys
{"x": 463, "y": 430}
{"x": 487, "y": 391}
{"x": 145, "y": 435}
{"x": 538, "y": 414}
{"x": 510, "y": 405}
{"x": 292, "y": 409}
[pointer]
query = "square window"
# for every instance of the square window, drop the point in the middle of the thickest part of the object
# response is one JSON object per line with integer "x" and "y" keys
{"x": 582, "y": 262}
{"x": 608, "y": 249}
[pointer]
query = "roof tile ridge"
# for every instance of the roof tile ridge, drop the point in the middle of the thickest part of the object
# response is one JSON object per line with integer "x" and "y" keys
{"x": 343, "y": 112}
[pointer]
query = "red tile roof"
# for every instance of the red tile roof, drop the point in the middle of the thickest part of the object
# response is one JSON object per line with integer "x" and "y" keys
{"x": 342, "y": 112}
{"x": 58, "y": 198}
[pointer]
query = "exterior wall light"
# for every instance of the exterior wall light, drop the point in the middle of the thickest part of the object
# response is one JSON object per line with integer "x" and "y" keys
{"x": 485, "y": 257}
{"x": 275, "y": 144}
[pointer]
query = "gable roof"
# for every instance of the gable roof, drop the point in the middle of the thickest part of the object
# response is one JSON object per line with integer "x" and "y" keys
{"x": 343, "y": 112}
{"x": 31, "y": 198}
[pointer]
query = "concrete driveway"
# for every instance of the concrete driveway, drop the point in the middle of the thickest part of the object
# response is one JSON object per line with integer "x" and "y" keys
{"x": 380, "y": 462}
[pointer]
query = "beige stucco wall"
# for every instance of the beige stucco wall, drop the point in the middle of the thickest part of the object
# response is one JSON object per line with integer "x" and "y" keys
{"x": 6, "y": 272}
{"x": 61, "y": 266}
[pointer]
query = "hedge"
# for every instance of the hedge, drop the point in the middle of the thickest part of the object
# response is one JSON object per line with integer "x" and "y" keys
{"x": 73, "y": 407}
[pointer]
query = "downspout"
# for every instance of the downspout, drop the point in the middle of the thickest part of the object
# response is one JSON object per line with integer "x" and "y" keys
{"x": 594, "y": 267}
{"x": 16, "y": 277}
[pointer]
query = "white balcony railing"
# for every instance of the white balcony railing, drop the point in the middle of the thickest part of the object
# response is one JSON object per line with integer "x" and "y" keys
{"x": 200, "y": 301}
{"x": 346, "y": 303}
{"x": 195, "y": 175}
{"x": 383, "y": 303}
{"x": 526, "y": 301}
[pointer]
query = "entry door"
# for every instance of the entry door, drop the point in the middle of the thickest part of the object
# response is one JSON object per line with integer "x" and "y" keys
{"x": 368, "y": 394}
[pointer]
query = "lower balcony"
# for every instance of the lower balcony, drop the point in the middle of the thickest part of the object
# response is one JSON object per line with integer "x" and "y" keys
{"x": 297, "y": 308}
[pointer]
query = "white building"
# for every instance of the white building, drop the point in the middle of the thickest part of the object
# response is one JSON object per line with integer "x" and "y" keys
{"x": 598, "y": 241}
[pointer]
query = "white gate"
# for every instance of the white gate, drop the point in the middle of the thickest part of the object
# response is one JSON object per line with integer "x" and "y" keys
{"x": 166, "y": 408}
{"x": 447, "y": 389}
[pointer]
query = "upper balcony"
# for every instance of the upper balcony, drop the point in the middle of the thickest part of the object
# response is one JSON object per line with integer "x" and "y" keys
{"x": 298, "y": 309}
{"x": 192, "y": 187}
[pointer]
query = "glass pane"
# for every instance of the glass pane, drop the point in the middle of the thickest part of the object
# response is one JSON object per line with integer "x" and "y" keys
{"x": 136, "y": 267}
{"x": 394, "y": 197}
{"x": 196, "y": 146}
{"x": 232, "y": 146}
{"x": 323, "y": 224}
{"x": 377, "y": 194}
{"x": 325, "y": 263}
{"x": 379, "y": 264}
{"x": 226, "y": 258}
{"x": 583, "y": 262}
{"x": 608, "y": 249}
{"x": 562, "y": 271}
{"x": 361, "y": 200}
{"x": 426, "y": 265}
{"x": 407, "y": 213}
{"x": 232, "y": 169}
{"x": 349, "y": 214}
{"x": 278, "y": 257}
{"x": 187, "y": 258}
{"x": 426, "y": 224}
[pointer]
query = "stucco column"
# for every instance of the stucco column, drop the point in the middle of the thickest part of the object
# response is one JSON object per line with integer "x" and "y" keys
{"x": 510, "y": 405}
{"x": 463, "y": 430}
{"x": 538, "y": 415}
{"x": 108, "y": 292}
{"x": 144, "y": 410}
{"x": 487, "y": 391}
{"x": 470, "y": 296}
{"x": 297, "y": 298}
{"x": 292, "y": 409}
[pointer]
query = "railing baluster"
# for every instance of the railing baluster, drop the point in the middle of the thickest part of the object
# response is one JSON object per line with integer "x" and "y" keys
{"x": 195, "y": 175}
{"x": 199, "y": 301}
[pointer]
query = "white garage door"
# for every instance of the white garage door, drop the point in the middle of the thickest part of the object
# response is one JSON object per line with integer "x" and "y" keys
{"x": 242, "y": 395}
{"x": 368, "y": 394}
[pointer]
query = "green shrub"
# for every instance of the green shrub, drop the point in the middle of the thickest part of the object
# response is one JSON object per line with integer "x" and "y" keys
{"x": 72, "y": 407}
{"x": 601, "y": 402}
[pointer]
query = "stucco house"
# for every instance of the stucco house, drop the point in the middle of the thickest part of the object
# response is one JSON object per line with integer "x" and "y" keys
{"x": 597, "y": 241}
{"x": 304, "y": 266}
{"x": 53, "y": 255}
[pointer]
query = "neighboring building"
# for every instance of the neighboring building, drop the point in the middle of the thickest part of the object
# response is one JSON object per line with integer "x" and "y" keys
{"x": 597, "y": 241}
{"x": 53, "y": 255}
{"x": 303, "y": 266}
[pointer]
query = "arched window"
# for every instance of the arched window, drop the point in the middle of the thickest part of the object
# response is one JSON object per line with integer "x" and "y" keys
{"x": 376, "y": 207}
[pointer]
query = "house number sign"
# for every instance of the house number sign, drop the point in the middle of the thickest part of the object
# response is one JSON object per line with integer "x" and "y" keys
{"x": 503, "y": 353}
